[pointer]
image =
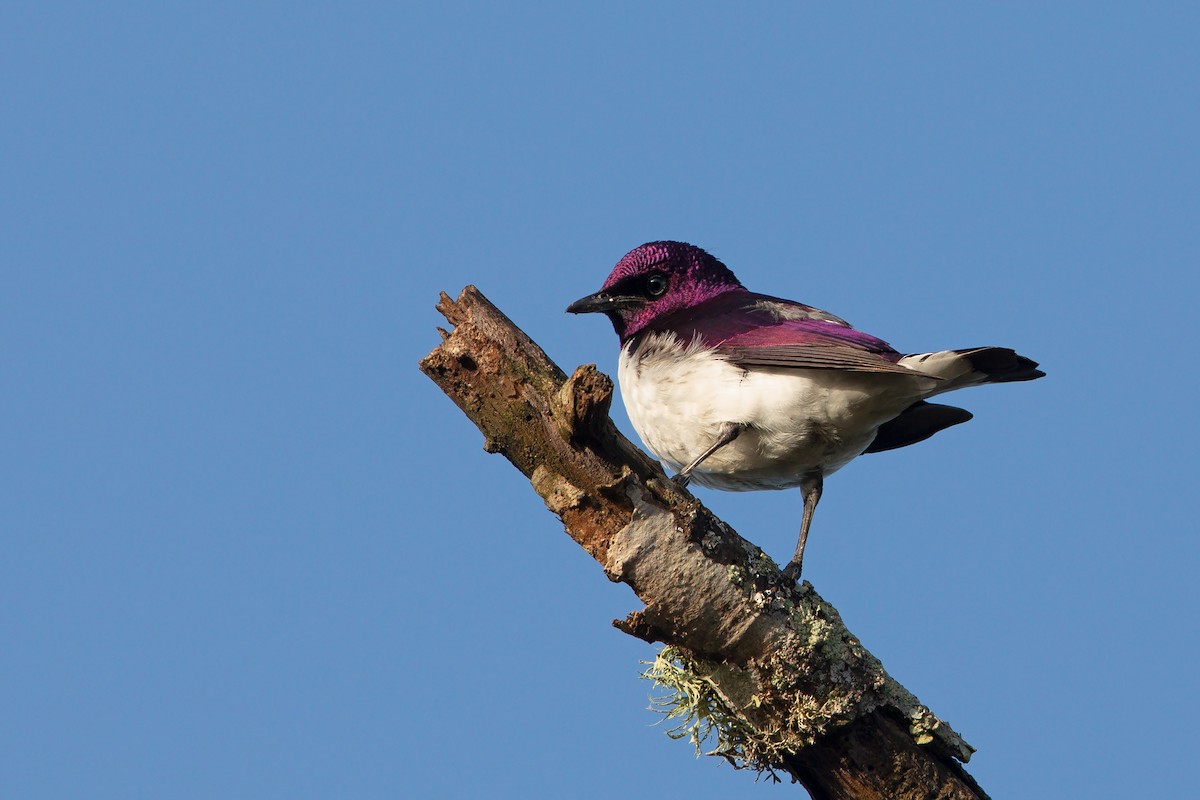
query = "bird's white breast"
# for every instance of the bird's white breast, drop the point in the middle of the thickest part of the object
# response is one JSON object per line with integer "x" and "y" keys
{"x": 798, "y": 421}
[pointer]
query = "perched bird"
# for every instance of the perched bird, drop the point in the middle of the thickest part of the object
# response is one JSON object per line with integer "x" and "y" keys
{"x": 741, "y": 391}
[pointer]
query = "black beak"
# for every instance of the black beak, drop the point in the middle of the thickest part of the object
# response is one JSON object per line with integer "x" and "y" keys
{"x": 603, "y": 302}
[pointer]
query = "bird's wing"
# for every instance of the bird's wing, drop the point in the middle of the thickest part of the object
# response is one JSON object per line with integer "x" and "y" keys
{"x": 754, "y": 330}
{"x": 813, "y": 356}
{"x": 916, "y": 424}
{"x": 812, "y": 344}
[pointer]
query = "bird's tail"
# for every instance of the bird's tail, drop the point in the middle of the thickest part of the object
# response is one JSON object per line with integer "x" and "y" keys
{"x": 958, "y": 369}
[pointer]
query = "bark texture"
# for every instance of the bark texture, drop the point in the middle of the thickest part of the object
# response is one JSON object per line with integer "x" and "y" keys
{"x": 794, "y": 690}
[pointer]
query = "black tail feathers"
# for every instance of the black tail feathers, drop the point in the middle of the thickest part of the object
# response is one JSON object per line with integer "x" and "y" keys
{"x": 1001, "y": 364}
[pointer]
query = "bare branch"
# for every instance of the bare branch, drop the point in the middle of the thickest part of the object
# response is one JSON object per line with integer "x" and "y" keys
{"x": 795, "y": 690}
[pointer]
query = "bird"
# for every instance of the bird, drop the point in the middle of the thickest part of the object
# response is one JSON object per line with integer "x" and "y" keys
{"x": 741, "y": 391}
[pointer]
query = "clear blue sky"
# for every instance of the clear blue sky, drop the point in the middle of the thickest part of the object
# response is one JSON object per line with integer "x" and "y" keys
{"x": 248, "y": 550}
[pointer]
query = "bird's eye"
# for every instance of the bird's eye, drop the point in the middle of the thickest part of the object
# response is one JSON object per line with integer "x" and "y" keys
{"x": 656, "y": 284}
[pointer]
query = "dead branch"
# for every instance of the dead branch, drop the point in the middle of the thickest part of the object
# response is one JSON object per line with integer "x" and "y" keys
{"x": 788, "y": 687}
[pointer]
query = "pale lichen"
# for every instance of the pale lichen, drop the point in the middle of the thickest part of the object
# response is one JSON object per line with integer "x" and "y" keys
{"x": 814, "y": 681}
{"x": 691, "y": 701}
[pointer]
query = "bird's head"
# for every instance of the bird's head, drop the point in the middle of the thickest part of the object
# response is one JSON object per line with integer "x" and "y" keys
{"x": 655, "y": 280}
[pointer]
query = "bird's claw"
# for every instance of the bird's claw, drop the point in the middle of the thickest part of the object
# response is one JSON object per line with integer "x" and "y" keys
{"x": 792, "y": 571}
{"x": 682, "y": 479}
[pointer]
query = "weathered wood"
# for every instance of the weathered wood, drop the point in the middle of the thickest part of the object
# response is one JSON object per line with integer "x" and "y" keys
{"x": 796, "y": 691}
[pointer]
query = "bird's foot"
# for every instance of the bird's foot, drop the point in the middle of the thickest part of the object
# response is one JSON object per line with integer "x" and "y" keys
{"x": 792, "y": 571}
{"x": 682, "y": 478}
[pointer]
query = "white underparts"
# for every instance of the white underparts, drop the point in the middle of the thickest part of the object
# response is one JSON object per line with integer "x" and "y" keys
{"x": 798, "y": 421}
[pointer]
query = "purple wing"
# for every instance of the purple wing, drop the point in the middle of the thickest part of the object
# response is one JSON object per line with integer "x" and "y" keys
{"x": 811, "y": 344}
{"x": 760, "y": 331}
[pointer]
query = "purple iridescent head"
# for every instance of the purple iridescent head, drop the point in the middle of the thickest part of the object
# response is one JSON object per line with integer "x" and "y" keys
{"x": 654, "y": 280}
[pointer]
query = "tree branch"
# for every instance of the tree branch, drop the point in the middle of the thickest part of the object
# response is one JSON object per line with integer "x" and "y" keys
{"x": 787, "y": 685}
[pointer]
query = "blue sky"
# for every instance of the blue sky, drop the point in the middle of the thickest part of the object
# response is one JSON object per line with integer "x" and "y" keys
{"x": 250, "y": 551}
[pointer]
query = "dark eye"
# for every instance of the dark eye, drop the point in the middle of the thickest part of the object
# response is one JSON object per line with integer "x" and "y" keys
{"x": 656, "y": 284}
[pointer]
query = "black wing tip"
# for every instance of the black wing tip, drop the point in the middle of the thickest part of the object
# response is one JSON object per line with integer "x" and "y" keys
{"x": 916, "y": 424}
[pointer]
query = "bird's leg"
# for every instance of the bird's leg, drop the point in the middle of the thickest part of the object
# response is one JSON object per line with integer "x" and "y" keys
{"x": 810, "y": 487}
{"x": 727, "y": 433}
